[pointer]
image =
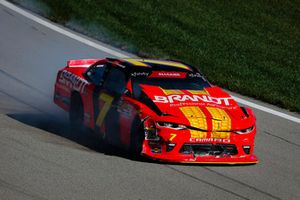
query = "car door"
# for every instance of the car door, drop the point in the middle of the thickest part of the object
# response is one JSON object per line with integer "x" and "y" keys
{"x": 107, "y": 100}
{"x": 95, "y": 75}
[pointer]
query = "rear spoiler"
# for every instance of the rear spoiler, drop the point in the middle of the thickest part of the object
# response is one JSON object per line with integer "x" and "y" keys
{"x": 81, "y": 63}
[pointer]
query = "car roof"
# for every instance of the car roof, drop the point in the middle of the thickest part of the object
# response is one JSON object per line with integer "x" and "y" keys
{"x": 154, "y": 64}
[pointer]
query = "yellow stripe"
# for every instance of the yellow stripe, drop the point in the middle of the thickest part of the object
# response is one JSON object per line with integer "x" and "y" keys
{"x": 198, "y": 92}
{"x": 139, "y": 62}
{"x": 220, "y": 122}
{"x": 107, "y": 103}
{"x": 171, "y": 92}
{"x": 197, "y": 119}
{"x": 198, "y": 134}
{"x": 220, "y": 135}
{"x": 173, "y": 64}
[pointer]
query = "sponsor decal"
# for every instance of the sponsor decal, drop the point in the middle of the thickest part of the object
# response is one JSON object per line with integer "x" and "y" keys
{"x": 135, "y": 74}
{"x": 192, "y": 98}
{"x": 194, "y": 75}
{"x": 209, "y": 140}
{"x": 167, "y": 74}
{"x": 125, "y": 109}
{"x": 72, "y": 81}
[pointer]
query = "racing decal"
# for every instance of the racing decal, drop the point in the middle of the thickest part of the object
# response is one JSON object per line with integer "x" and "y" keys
{"x": 107, "y": 99}
{"x": 169, "y": 63}
{"x": 172, "y": 136}
{"x": 220, "y": 135}
{"x": 203, "y": 92}
{"x": 137, "y": 62}
{"x": 70, "y": 80}
{"x": 220, "y": 122}
{"x": 170, "y": 92}
{"x": 198, "y": 134}
{"x": 167, "y": 74}
{"x": 147, "y": 63}
{"x": 192, "y": 98}
{"x": 197, "y": 119}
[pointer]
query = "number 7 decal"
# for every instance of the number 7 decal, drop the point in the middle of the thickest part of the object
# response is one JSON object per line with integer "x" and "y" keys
{"x": 103, "y": 111}
{"x": 173, "y": 135}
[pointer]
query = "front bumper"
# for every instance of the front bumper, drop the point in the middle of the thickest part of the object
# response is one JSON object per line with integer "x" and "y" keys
{"x": 249, "y": 159}
{"x": 181, "y": 147}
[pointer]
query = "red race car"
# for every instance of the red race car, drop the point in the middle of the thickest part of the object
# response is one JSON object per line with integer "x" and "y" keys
{"x": 162, "y": 109}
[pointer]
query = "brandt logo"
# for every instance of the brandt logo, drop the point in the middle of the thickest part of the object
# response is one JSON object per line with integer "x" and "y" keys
{"x": 192, "y": 98}
{"x": 72, "y": 81}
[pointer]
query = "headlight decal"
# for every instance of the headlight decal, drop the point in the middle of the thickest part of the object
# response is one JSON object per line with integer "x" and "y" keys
{"x": 171, "y": 125}
{"x": 244, "y": 131}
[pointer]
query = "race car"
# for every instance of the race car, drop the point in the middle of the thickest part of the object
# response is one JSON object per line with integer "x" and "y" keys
{"x": 165, "y": 110}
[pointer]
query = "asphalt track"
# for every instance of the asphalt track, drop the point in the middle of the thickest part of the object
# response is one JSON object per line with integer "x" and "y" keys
{"x": 41, "y": 159}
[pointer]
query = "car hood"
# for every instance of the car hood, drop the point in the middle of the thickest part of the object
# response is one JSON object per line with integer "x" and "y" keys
{"x": 207, "y": 109}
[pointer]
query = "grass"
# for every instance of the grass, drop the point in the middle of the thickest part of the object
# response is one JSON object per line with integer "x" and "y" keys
{"x": 250, "y": 47}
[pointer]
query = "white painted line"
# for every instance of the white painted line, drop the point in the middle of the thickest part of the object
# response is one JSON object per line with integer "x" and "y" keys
{"x": 267, "y": 110}
{"x": 61, "y": 30}
{"x": 118, "y": 54}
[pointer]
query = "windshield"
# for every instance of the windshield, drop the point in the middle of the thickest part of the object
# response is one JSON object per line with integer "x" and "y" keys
{"x": 169, "y": 83}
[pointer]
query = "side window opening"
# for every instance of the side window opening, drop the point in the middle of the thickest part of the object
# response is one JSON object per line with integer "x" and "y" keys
{"x": 115, "y": 82}
{"x": 95, "y": 74}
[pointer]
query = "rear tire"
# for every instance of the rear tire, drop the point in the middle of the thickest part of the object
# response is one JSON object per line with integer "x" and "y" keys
{"x": 76, "y": 113}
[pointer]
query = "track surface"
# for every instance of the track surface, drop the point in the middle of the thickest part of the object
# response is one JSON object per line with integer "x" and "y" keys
{"x": 41, "y": 159}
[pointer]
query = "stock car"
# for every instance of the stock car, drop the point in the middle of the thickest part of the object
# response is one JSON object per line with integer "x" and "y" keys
{"x": 165, "y": 110}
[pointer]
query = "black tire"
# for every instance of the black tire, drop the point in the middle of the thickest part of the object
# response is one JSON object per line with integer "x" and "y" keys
{"x": 76, "y": 113}
{"x": 137, "y": 137}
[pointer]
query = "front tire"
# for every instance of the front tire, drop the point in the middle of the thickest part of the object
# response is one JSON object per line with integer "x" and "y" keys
{"x": 137, "y": 137}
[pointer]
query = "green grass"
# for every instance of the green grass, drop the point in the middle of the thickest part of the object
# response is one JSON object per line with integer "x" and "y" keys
{"x": 250, "y": 47}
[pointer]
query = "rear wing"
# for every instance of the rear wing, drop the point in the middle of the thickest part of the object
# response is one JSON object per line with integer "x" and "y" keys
{"x": 82, "y": 62}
